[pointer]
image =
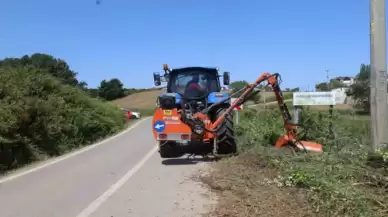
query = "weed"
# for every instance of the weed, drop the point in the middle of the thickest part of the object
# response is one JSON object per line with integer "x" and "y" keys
{"x": 345, "y": 180}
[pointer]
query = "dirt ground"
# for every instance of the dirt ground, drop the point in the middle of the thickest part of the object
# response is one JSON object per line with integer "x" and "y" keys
{"x": 246, "y": 186}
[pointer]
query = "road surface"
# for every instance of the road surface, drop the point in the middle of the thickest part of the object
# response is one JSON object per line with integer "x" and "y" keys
{"x": 121, "y": 177}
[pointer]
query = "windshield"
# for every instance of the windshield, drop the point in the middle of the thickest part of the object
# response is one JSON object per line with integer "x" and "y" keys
{"x": 193, "y": 83}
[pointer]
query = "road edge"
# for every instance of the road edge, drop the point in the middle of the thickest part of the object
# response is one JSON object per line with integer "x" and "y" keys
{"x": 51, "y": 161}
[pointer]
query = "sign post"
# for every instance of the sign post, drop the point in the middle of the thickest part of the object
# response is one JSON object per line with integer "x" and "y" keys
{"x": 238, "y": 108}
{"x": 314, "y": 99}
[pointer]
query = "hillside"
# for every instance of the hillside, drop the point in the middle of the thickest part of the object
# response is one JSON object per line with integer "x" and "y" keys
{"x": 142, "y": 100}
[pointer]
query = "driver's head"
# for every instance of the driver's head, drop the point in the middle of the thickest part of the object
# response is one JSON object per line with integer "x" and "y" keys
{"x": 195, "y": 78}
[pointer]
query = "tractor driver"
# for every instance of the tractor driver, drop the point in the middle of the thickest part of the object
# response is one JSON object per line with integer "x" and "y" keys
{"x": 192, "y": 87}
{"x": 193, "y": 84}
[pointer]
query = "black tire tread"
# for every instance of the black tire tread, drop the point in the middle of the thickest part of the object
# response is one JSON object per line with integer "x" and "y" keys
{"x": 169, "y": 151}
{"x": 225, "y": 134}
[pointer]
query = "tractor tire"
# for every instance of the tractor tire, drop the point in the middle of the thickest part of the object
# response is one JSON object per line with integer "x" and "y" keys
{"x": 170, "y": 150}
{"x": 225, "y": 135}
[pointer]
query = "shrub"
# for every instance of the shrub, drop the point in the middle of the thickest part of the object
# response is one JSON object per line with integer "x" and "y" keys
{"x": 339, "y": 181}
{"x": 41, "y": 117}
{"x": 345, "y": 180}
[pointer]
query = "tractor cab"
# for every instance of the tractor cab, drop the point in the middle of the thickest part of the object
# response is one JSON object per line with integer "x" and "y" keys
{"x": 198, "y": 84}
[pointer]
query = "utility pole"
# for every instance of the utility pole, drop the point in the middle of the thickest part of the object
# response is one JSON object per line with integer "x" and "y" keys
{"x": 378, "y": 77}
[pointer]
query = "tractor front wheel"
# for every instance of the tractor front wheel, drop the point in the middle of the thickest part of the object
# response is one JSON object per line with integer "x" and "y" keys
{"x": 225, "y": 134}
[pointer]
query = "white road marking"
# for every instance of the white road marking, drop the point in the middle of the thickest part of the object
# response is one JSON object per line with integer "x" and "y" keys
{"x": 72, "y": 154}
{"x": 112, "y": 189}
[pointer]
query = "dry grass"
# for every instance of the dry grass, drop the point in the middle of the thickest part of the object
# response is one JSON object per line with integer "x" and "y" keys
{"x": 142, "y": 100}
{"x": 339, "y": 107}
{"x": 270, "y": 96}
{"x": 264, "y": 182}
{"x": 248, "y": 187}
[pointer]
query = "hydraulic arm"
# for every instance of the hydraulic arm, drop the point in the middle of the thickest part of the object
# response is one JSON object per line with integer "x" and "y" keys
{"x": 290, "y": 129}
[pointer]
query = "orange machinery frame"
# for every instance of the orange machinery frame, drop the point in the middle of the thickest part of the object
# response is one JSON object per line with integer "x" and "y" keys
{"x": 173, "y": 116}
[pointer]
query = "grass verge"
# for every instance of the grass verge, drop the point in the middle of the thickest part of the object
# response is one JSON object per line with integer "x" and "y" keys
{"x": 346, "y": 180}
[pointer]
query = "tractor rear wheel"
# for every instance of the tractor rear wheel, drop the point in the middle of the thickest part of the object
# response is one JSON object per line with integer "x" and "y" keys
{"x": 225, "y": 134}
{"x": 170, "y": 150}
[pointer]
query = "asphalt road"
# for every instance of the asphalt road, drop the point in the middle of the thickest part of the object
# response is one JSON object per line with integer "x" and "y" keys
{"x": 121, "y": 177}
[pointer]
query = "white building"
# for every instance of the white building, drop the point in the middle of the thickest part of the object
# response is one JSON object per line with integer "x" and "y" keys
{"x": 347, "y": 80}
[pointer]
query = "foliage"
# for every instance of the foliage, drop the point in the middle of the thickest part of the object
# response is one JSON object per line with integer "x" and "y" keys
{"x": 46, "y": 63}
{"x": 41, "y": 116}
{"x": 272, "y": 98}
{"x": 297, "y": 89}
{"x": 111, "y": 90}
{"x": 360, "y": 90}
{"x": 236, "y": 86}
{"x": 333, "y": 84}
{"x": 345, "y": 180}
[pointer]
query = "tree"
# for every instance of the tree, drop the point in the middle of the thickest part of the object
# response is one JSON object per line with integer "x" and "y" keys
{"x": 360, "y": 90}
{"x": 238, "y": 85}
{"x": 111, "y": 90}
{"x": 322, "y": 86}
{"x": 45, "y": 63}
{"x": 83, "y": 85}
{"x": 333, "y": 84}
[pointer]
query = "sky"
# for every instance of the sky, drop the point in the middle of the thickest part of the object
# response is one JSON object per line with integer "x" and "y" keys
{"x": 130, "y": 40}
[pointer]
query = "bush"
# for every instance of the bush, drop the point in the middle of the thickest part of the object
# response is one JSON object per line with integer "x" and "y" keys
{"x": 346, "y": 180}
{"x": 41, "y": 117}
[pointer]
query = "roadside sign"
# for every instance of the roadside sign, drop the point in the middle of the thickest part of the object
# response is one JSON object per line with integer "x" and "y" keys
{"x": 238, "y": 108}
{"x": 314, "y": 98}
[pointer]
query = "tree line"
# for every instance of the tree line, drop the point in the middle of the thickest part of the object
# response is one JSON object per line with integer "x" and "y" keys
{"x": 108, "y": 89}
{"x": 359, "y": 90}
{"x": 238, "y": 85}
{"x": 45, "y": 111}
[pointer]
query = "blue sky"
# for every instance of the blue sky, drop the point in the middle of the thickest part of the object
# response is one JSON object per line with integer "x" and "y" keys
{"x": 129, "y": 39}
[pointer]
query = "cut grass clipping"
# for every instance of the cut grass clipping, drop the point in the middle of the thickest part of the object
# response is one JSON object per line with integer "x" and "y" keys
{"x": 346, "y": 180}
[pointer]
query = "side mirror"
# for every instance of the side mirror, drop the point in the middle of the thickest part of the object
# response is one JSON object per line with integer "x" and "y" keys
{"x": 157, "y": 79}
{"x": 226, "y": 77}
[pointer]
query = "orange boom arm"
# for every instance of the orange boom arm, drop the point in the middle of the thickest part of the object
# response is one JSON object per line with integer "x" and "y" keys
{"x": 290, "y": 129}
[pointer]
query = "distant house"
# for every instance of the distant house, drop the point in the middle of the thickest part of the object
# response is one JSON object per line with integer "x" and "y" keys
{"x": 347, "y": 80}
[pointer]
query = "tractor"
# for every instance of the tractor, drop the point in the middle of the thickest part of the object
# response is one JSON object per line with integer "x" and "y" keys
{"x": 195, "y": 117}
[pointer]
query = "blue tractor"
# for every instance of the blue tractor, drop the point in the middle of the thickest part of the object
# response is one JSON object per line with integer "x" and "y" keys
{"x": 193, "y": 101}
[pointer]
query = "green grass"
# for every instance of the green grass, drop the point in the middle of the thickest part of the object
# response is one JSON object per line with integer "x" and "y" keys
{"x": 345, "y": 180}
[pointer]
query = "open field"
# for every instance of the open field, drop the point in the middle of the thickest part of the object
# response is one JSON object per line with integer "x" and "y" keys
{"x": 270, "y": 96}
{"x": 143, "y": 102}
